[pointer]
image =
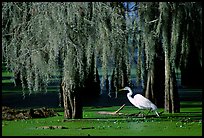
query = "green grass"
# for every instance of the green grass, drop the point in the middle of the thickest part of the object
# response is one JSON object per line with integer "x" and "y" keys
{"x": 8, "y": 81}
{"x": 186, "y": 123}
{"x": 7, "y": 74}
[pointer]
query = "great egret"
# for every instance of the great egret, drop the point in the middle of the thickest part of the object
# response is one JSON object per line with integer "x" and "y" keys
{"x": 140, "y": 101}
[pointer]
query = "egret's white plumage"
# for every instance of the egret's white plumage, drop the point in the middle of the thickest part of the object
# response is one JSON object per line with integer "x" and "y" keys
{"x": 140, "y": 101}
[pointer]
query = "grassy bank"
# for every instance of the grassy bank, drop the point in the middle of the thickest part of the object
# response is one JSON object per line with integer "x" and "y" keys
{"x": 186, "y": 123}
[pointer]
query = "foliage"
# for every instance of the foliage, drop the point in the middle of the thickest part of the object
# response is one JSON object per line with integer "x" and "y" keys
{"x": 37, "y": 35}
{"x": 88, "y": 35}
{"x": 177, "y": 22}
{"x": 167, "y": 26}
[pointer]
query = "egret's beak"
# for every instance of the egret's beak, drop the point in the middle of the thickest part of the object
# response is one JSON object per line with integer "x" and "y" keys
{"x": 121, "y": 89}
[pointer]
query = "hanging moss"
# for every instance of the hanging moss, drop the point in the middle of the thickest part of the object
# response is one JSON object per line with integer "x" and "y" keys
{"x": 38, "y": 34}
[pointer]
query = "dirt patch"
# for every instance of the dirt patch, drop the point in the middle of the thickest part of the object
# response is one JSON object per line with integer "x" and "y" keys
{"x": 51, "y": 127}
{"x": 16, "y": 114}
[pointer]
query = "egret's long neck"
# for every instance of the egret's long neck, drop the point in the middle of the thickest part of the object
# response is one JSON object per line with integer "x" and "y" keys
{"x": 129, "y": 94}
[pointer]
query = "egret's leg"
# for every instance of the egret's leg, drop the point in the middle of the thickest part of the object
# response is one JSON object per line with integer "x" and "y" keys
{"x": 157, "y": 113}
{"x": 140, "y": 114}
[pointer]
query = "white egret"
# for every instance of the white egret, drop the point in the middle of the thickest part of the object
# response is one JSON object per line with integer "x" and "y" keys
{"x": 140, "y": 101}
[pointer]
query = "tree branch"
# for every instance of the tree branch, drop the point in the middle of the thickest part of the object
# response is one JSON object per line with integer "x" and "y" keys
{"x": 113, "y": 113}
{"x": 120, "y": 108}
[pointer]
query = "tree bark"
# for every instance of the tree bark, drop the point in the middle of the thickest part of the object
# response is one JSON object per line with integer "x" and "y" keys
{"x": 61, "y": 103}
{"x": 149, "y": 92}
{"x": 172, "y": 104}
{"x": 17, "y": 79}
{"x": 174, "y": 93}
{"x": 72, "y": 103}
{"x": 167, "y": 84}
{"x": 155, "y": 83}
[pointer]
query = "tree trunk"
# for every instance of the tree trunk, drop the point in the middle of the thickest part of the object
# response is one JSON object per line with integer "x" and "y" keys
{"x": 172, "y": 103}
{"x": 174, "y": 93}
{"x": 61, "y": 103}
{"x": 167, "y": 84}
{"x": 72, "y": 102}
{"x": 155, "y": 82}
{"x": 17, "y": 79}
{"x": 149, "y": 92}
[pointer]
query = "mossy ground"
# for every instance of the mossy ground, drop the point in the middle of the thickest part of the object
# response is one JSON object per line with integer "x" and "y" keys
{"x": 186, "y": 123}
